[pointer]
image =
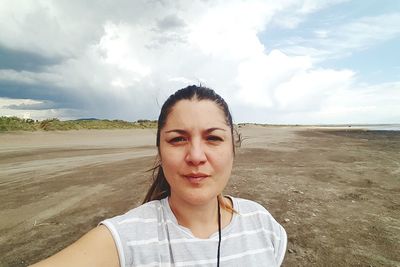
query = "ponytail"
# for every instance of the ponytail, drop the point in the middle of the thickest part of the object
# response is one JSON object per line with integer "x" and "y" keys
{"x": 160, "y": 188}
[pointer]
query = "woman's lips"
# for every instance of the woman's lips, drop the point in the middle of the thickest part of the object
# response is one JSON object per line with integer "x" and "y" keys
{"x": 196, "y": 177}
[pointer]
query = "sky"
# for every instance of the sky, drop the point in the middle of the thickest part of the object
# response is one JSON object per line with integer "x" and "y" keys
{"x": 278, "y": 62}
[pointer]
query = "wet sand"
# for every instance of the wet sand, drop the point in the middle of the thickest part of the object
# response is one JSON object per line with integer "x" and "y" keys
{"x": 336, "y": 192}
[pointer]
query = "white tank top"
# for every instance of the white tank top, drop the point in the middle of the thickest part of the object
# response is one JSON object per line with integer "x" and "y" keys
{"x": 150, "y": 235}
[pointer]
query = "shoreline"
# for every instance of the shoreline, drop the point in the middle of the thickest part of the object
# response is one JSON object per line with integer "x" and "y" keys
{"x": 366, "y": 127}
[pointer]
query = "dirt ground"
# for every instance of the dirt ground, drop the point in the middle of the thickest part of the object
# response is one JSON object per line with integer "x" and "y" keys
{"x": 336, "y": 192}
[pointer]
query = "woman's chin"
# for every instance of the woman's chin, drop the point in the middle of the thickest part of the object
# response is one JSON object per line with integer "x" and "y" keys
{"x": 199, "y": 198}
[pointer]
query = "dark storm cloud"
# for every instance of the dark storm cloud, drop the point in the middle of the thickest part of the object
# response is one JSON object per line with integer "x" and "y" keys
{"x": 73, "y": 103}
{"x": 58, "y": 97}
{"x": 22, "y": 60}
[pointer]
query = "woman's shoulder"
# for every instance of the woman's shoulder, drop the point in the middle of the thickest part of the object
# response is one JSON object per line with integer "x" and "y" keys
{"x": 253, "y": 217}
{"x": 148, "y": 208}
{"x": 135, "y": 228}
{"x": 252, "y": 212}
{"x": 146, "y": 212}
{"x": 247, "y": 205}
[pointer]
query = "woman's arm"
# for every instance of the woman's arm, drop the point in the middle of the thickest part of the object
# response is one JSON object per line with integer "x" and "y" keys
{"x": 96, "y": 248}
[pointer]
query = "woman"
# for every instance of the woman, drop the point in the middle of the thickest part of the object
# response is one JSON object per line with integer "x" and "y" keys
{"x": 185, "y": 220}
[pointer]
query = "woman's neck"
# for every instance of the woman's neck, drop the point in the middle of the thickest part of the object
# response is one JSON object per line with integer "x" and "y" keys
{"x": 202, "y": 220}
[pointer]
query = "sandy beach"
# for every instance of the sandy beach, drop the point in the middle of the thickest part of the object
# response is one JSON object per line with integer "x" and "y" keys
{"x": 336, "y": 191}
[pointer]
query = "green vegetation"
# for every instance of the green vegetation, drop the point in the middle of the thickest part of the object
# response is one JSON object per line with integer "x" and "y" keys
{"x": 18, "y": 124}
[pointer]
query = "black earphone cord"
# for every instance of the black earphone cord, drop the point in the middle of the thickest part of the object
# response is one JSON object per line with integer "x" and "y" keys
{"x": 219, "y": 233}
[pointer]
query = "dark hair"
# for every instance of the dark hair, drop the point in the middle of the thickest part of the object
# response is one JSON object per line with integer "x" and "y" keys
{"x": 160, "y": 187}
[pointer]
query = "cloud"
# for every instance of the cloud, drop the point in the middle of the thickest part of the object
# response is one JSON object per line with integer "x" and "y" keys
{"x": 66, "y": 28}
{"x": 342, "y": 40}
{"x": 366, "y": 103}
{"x": 35, "y": 106}
{"x": 123, "y": 60}
{"x": 170, "y": 22}
{"x": 292, "y": 13}
{"x": 40, "y": 114}
{"x": 341, "y": 106}
{"x": 20, "y": 60}
{"x": 278, "y": 88}
{"x": 261, "y": 76}
{"x": 309, "y": 90}
{"x": 28, "y": 77}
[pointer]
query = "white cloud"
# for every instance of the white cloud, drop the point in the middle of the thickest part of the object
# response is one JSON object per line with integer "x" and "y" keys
{"x": 230, "y": 31}
{"x": 8, "y": 101}
{"x": 352, "y": 103}
{"x": 27, "y": 114}
{"x": 310, "y": 89}
{"x": 116, "y": 45}
{"x": 342, "y": 40}
{"x": 365, "y": 103}
{"x": 260, "y": 76}
{"x": 291, "y": 13}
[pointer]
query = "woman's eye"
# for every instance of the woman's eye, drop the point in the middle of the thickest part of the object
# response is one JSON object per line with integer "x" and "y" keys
{"x": 177, "y": 139}
{"x": 214, "y": 138}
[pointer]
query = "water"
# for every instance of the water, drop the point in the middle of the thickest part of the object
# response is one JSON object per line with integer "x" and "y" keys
{"x": 383, "y": 127}
{"x": 370, "y": 127}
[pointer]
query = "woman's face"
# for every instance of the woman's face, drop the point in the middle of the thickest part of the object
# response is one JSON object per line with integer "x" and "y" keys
{"x": 196, "y": 151}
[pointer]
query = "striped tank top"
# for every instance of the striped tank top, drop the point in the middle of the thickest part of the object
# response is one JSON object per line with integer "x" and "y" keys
{"x": 150, "y": 235}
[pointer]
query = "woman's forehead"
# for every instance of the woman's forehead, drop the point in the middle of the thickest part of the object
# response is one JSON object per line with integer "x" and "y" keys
{"x": 195, "y": 113}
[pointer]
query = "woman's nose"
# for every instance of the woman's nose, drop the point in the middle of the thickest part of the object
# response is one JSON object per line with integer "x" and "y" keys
{"x": 196, "y": 154}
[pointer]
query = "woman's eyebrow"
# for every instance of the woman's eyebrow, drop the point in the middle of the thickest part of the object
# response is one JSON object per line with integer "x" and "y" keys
{"x": 181, "y": 131}
{"x": 214, "y": 129}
